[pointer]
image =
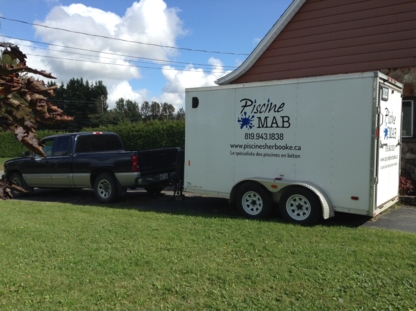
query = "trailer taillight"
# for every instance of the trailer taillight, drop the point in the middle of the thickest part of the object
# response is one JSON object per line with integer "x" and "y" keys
{"x": 135, "y": 163}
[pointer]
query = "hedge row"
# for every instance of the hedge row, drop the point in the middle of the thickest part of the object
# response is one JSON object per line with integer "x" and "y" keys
{"x": 135, "y": 136}
{"x": 148, "y": 135}
{"x": 9, "y": 146}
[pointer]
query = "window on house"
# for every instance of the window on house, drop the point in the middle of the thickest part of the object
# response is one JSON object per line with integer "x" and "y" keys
{"x": 408, "y": 118}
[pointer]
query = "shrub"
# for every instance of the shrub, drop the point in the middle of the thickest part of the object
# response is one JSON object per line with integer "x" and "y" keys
{"x": 135, "y": 136}
{"x": 9, "y": 146}
{"x": 405, "y": 186}
{"x": 148, "y": 135}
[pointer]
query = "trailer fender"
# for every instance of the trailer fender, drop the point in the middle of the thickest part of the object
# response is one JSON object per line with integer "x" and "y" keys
{"x": 327, "y": 208}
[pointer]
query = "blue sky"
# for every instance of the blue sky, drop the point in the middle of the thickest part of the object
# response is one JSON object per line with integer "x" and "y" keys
{"x": 230, "y": 26}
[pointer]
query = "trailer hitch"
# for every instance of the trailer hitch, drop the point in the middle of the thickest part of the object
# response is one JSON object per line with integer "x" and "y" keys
{"x": 178, "y": 191}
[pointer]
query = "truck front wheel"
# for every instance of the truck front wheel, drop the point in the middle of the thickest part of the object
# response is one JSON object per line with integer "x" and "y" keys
{"x": 18, "y": 180}
{"x": 254, "y": 201}
{"x": 300, "y": 205}
{"x": 105, "y": 188}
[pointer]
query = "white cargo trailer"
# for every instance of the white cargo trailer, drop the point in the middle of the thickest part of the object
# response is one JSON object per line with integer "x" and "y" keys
{"x": 312, "y": 145}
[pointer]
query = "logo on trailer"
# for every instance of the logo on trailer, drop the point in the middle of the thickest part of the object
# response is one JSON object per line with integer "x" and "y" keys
{"x": 246, "y": 121}
{"x": 389, "y": 122}
{"x": 386, "y": 133}
{"x": 267, "y": 115}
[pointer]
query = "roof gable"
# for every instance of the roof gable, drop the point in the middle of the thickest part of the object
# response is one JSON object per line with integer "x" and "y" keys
{"x": 264, "y": 43}
{"x": 326, "y": 37}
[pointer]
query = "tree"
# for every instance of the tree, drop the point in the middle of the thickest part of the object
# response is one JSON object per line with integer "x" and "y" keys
{"x": 180, "y": 115}
{"x": 154, "y": 111}
{"x": 86, "y": 101}
{"x": 24, "y": 103}
{"x": 120, "y": 110}
{"x": 167, "y": 111}
{"x": 145, "y": 110}
{"x": 127, "y": 110}
{"x": 132, "y": 111}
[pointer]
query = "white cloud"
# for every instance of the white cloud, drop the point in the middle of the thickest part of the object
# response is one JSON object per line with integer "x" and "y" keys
{"x": 147, "y": 21}
{"x": 124, "y": 90}
{"x": 178, "y": 80}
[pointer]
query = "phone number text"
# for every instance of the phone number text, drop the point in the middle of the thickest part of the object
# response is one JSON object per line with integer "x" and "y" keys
{"x": 264, "y": 136}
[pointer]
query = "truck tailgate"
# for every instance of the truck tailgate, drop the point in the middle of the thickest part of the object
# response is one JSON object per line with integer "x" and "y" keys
{"x": 157, "y": 160}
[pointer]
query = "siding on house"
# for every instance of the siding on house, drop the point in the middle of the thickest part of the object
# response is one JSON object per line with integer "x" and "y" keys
{"x": 344, "y": 36}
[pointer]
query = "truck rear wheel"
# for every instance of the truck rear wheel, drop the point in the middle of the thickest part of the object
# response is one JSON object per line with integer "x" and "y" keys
{"x": 254, "y": 201}
{"x": 18, "y": 180}
{"x": 300, "y": 205}
{"x": 105, "y": 188}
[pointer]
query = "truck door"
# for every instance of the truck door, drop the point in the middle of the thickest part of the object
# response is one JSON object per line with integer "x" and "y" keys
{"x": 60, "y": 162}
{"x": 36, "y": 172}
{"x": 389, "y": 146}
{"x": 55, "y": 169}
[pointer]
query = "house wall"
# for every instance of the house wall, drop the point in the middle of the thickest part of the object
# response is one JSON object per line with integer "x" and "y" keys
{"x": 408, "y": 168}
{"x": 332, "y": 37}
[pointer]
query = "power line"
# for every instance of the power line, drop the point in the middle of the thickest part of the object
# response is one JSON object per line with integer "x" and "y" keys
{"x": 123, "y": 40}
{"x": 107, "y": 53}
{"x": 121, "y": 65}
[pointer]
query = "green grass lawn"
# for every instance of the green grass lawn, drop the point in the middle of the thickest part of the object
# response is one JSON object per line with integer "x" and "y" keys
{"x": 56, "y": 256}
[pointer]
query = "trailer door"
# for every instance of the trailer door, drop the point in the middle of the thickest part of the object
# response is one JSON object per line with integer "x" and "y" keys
{"x": 389, "y": 147}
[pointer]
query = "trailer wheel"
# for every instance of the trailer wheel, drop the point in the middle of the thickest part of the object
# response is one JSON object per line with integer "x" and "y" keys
{"x": 254, "y": 201}
{"x": 18, "y": 180}
{"x": 105, "y": 188}
{"x": 300, "y": 205}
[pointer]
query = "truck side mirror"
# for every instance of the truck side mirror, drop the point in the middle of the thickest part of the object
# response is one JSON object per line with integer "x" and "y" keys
{"x": 27, "y": 154}
{"x": 195, "y": 102}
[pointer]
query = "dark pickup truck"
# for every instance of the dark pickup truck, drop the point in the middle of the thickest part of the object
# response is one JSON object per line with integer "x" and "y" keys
{"x": 94, "y": 160}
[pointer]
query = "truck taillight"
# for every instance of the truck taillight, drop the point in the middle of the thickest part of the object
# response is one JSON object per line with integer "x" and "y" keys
{"x": 135, "y": 163}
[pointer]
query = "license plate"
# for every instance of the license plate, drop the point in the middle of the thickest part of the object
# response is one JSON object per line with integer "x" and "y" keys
{"x": 164, "y": 176}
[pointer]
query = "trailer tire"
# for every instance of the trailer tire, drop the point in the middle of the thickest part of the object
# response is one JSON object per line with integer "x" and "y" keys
{"x": 18, "y": 180}
{"x": 105, "y": 188}
{"x": 254, "y": 201}
{"x": 300, "y": 205}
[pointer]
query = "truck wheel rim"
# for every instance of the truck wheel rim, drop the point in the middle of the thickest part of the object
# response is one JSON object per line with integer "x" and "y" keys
{"x": 298, "y": 207}
{"x": 16, "y": 181}
{"x": 252, "y": 203}
{"x": 104, "y": 189}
